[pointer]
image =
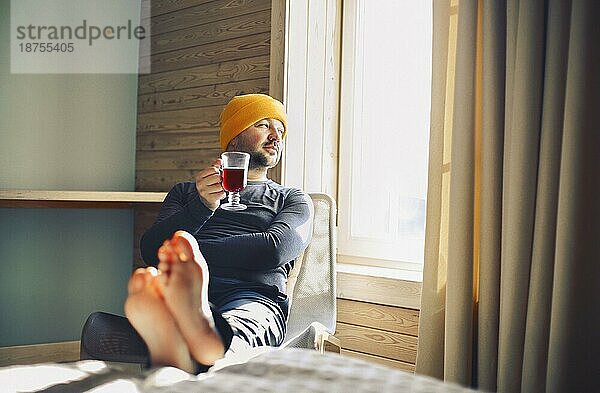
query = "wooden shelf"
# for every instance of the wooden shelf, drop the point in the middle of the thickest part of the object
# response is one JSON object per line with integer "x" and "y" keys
{"x": 78, "y": 199}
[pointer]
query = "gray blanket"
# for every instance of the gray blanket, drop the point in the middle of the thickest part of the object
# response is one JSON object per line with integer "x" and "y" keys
{"x": 284, "y": 370}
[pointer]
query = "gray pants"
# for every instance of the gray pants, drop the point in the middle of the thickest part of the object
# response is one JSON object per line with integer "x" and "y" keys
{"x": 247, "y": 318}
{"x": 254, "y": 319}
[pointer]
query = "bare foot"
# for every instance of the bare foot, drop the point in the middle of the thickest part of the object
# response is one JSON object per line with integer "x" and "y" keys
{"x": 185, "y": 290}
{"x": 149, "y": 315}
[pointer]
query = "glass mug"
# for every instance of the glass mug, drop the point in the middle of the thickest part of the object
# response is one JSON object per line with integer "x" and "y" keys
{"x": 234, "y": 178}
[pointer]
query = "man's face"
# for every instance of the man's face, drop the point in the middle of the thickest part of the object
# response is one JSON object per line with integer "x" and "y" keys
{"x": 262, "y": 141}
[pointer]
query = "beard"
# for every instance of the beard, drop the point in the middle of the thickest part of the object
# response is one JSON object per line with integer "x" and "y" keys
{"x": 259, "y": 159}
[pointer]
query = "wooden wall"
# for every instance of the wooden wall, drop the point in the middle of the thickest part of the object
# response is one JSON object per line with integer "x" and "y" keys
{"x": 204, "y": 52}
{"x": 382, "y": 334}
{"x": 378, "y": 319}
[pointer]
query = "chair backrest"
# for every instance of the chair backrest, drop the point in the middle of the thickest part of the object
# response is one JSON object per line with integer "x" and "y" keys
{"x": 312, "y": 282}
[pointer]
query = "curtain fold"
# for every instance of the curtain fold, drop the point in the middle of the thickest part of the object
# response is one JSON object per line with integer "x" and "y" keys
{"x": 508, "y": 299}
{"x": 458, "y": 329}
{"x": 492, "y": 141}
{"x": 433, "y": 296}
{"x": 519, "y": 184}
{"x": 537, "y": 326}
{"x": 574, "y": 345}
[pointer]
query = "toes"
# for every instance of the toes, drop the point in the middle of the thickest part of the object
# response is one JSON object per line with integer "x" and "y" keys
{"x": 146, "y": 278}
{"x": 165, "y": 252}
{"x": 152, "y": 272}
{"x": 182, "y": 247}
{"x": 138, "y": 280}
{"x": 156, "y": 281}
{"x": 187, "y": 248}
{"x": 161, "y": 282}
{"x": 164, "y": 267}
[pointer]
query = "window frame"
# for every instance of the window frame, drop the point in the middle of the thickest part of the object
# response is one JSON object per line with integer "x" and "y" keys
{"x": 351, "y": 250}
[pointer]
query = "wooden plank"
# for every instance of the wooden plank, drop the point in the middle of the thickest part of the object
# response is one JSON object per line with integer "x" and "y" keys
{"x": 65, "y": 205}
{"x": 380, "y": 290}
{"x": 214, "y": 95}
{"x": 161, "y": 180}
{"x": 277, "y": 68}
{"x": 144, "y": 218}
{"x": 207, "y": 75}
{"x": 377, "y": 342}
{"x": 295, "y": 75}
{"x": 146, "y": 214}
{"x": 199, "y": 119}
{"x": 313, "y": 55}
{"x": 275, "y": 173}
{"x": 235, "y": 27}
{"x": 184, "y": 159}
{"x": 277, "y": 52}
{"x": 198, "y": 15}
{"x": 67, "y": 351}
{"x": 393, "y": 319}
{"x": 315, "y": 96}
{"x": 216, "y": 52}
{"x": 80, "y": 196}
{"x": 379, "y": 360}
{"x": 177, "y": 140}
{"x": 332, "y": 70}
{"x": 160, "y": 7}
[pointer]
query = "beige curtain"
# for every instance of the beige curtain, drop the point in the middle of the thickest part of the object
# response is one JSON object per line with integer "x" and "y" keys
{"x": 512, "y": 256}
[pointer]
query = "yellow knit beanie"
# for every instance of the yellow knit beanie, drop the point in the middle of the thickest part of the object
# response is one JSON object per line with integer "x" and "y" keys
{"x": 245, "y": 110}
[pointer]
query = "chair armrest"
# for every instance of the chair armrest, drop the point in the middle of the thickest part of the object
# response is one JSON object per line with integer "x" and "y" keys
{"x": 327, "y": 342}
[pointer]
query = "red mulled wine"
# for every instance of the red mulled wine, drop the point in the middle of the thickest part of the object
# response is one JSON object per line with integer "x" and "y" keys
{"x": 234, "y": 179}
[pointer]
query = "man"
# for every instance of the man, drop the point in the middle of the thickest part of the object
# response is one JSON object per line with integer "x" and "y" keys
{"x": 189, "y": 319}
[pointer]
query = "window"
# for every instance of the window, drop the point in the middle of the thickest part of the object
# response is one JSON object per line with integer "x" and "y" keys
{"x": 384, "y": 132}
{"x": 372, "y": 60}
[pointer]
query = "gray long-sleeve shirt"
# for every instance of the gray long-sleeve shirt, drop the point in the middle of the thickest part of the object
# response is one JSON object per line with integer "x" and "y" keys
{"x": 256, "y": 245}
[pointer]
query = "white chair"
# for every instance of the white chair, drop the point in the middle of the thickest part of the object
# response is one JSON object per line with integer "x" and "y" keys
{"x": 311, "y": 288}
{"x": 312, "y": 284}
